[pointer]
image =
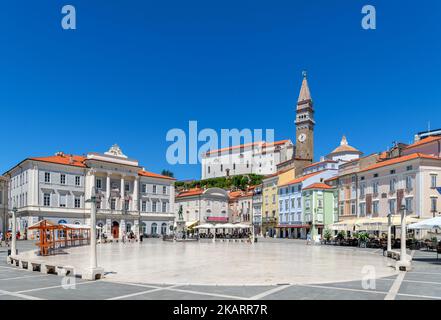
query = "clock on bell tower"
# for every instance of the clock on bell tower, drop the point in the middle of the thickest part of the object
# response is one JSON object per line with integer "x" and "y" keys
{"x": 305, "y": 123}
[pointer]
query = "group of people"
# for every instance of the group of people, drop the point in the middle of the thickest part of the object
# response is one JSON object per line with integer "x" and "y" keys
{"x": 6, "y": 239}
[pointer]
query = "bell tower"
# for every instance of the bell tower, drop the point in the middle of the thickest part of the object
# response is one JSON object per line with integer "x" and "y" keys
{"x": 305, "y": 123}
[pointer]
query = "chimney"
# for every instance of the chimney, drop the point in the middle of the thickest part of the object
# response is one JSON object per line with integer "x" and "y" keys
{"x": 71, "y": 160}
{"x": 322, "y": 158}
{"x": 60, "y": 154}
{"x": 417, "y": 138}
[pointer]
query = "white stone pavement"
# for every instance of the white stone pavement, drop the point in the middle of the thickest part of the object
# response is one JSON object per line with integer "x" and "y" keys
{"x": 264, "y": 263}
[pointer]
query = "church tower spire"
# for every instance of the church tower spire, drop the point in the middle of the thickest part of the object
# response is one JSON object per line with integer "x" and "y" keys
{"x": 305, "y": 122}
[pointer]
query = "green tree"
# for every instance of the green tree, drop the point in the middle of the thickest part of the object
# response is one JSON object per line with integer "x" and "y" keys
{"x": 167, "y": 173}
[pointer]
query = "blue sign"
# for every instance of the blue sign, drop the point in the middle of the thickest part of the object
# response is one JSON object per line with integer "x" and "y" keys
{"x": 439, "y": 189}
{"x": 62, "y": 221}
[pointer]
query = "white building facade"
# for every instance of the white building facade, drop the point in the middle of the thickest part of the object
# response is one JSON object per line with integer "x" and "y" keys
{"x": 129, "y": 199}
{"x": 259, "y": 158}
{"x": 201, "y": 206}
{"x": 3, "y": 205}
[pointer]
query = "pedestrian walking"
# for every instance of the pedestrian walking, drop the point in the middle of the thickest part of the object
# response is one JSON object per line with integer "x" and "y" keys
{"x": 308, "y": 238}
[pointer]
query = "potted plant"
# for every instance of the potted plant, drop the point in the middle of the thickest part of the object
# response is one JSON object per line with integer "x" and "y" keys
{"x": 327, "y": 235}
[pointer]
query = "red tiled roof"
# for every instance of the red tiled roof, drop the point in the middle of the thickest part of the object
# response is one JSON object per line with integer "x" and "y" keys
{"x": 424, "y": 141}
{"x": 76, "y": 161}
{"x": 144, "y": 173}
{"x": 190, "y": 193}
{"x": 264, "y": 144}
{"x": 399, "y": 160}
{"x": 301, "y": 179}
{"x": 318, "y": 186}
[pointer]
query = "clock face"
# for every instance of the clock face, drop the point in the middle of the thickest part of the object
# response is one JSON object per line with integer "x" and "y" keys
{"x": 302, "y": 137}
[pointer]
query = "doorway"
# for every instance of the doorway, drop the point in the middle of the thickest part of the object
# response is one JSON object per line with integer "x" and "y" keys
{"x": 115, "y": 230}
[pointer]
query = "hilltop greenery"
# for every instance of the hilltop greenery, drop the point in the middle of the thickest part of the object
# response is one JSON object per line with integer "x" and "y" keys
{"x": 236, "y": 182}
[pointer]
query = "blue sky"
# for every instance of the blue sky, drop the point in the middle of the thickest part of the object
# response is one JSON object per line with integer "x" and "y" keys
{"x": 135, "y": 69}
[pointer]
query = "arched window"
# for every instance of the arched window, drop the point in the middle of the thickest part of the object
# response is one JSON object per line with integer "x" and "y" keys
{"x": 154, "y": 228}
{"x": 164, "y": 228}
{"x": 143, "y": 228}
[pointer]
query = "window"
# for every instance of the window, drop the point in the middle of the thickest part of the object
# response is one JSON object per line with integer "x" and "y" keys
{"x": 47, "y": 177}
{"x": 154, "y": 229}
{"x": 433, "y": 180}
{"x": 113, "y": 204}
{"x": 154, "y": 206}
{"x": 433, "y": 204}
{"x": 222, "y": 167}
{"x": 164, "y": 207}
{"x": 128, "y": 228}
{"x": 409, "y": 185}
{"x": 392, "y": 184}
{"x": 99, "y": 183}
{"x": 163, "y": 228}
{"x": 292, "y": 203}
{"x": 143, "y": 188}
{"x": 299, "y": 203}
{"x": 353, "y": 208}
{"x": 362, "y": 209}
{"x": 362, "y": 190}
{"x": 274, "y": 198}
{"x": 77, "y": 202}
{"x": 376, "y": 175}
{"x": 154, "y": 189}
{"x": 47, "y": 200}
{"x": 126, "y": 205}
{"x": 62, "y": 200}
{"x": 281, "y": 205}
{"x": 320, "y": 203}
{"x": 375, "y": 207}
{"x": 392, "y": 206}
{"x": 63, "y": 179}
{"x": 127, "y": 187}
{"x": 234, "y": 166}
{"x": 143, "y": 206}
{"x": 77, "y": 180}
{"x": 164, "y": 190}
{"x": 409, "y": 168}
{"x": 375, "y": 187}
{"x": 308, "y": 204}
{"x": 392, "y": 172}
{"x": 208, "y": 169}
{"x": 409, "y": 204}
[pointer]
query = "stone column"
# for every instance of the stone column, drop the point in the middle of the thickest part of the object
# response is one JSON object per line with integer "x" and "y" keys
{"x": 108, "y": 191}
{"x": 122, "y": 193}
{"x": 135, "y": 194}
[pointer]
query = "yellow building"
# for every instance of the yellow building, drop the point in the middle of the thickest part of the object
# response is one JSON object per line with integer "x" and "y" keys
{"x": 270, "y": 199}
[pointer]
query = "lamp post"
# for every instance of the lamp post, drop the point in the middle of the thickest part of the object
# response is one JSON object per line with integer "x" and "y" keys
{"x": 14, "y": 232}
{"x": 389, "y": 232}
{"x": 93, "y": 272}
{"x": 403, "y": 264}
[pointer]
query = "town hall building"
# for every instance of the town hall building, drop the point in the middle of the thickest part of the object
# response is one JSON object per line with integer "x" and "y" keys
{"x": 57, "y": 188}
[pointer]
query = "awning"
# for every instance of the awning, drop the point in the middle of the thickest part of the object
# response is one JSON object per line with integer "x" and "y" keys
{"x": 191, "y": 224}
{"x": 428, "y": 224}
{"x": 371, "y": 224}
{"x": 217, "y": 219}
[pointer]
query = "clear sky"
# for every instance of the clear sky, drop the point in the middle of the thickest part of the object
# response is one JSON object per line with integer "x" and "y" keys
{"x": 135, "y": 69}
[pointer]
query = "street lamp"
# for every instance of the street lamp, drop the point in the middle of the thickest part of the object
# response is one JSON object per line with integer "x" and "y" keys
{"x": 403, "y": 264}
{"x": 93, "y": 272}
{"x": 389, "y": 232}
{"x": 14, "y": 232}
